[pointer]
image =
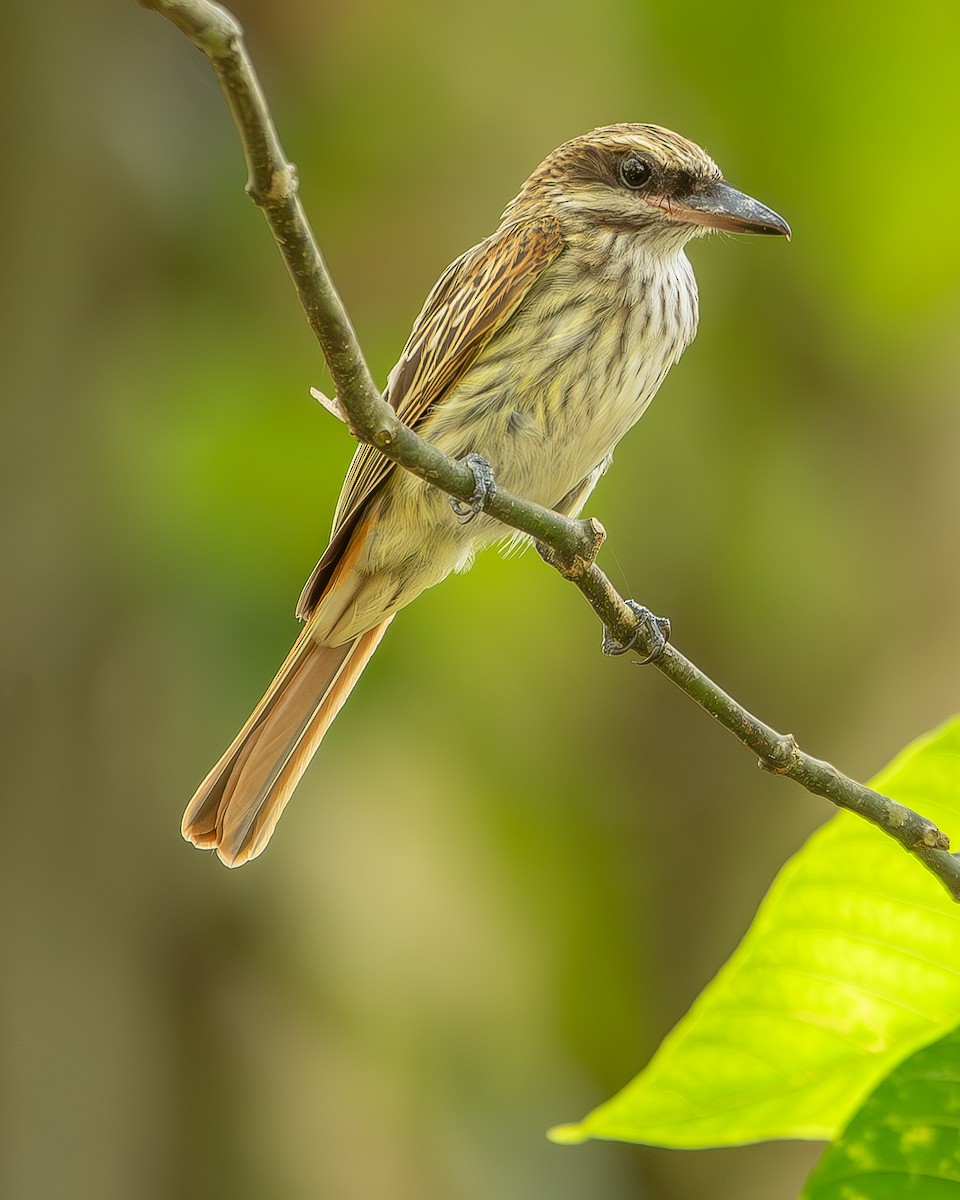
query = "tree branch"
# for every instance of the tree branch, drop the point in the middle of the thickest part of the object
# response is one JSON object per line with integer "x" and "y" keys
{"x": 572, "y": 545}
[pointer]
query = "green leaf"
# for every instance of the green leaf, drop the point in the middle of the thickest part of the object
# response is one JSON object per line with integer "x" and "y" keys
{"x": 905, "y": 1140}
{"x": 850, "y": 964}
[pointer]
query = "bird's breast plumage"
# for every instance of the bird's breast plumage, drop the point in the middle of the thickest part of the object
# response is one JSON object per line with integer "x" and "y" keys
{"x": 559, "y": 385}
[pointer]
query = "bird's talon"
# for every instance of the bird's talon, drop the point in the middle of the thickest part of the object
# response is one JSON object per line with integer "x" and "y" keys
{"x": 657, "y": 629}
{"x": 485, "y": 490}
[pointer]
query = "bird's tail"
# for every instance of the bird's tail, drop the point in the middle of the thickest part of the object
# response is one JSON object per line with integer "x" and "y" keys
{"x": 239, "y": 803}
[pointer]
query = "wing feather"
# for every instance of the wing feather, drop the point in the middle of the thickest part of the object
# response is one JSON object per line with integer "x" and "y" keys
{"x": 471, "y": 300}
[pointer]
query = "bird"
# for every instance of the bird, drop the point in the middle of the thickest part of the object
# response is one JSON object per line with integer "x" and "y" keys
{"x": 537, "y": 349}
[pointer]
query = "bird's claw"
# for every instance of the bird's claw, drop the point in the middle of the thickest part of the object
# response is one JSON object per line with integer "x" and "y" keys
{"x": 657, "y": 630}
{"x": 485, "y": 490}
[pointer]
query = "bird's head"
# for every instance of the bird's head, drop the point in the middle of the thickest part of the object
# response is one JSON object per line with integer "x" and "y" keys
{"x": 641, "y": 179}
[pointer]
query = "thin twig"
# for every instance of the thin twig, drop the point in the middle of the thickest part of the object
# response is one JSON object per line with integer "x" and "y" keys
{"x": 572, "y": 545}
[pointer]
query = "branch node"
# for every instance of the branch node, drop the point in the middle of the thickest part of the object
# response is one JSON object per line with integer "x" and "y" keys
{"x": 284, "y": 183}
{"x": 594, "y": 536}
{"x": 933, "y": 838}
{"x": 782, "y": 756}
{"x": 210, "y": 27}
{"x": 574, "y": 561}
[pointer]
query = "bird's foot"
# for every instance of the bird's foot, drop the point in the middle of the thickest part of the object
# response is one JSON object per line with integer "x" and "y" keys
{"x": 485, "y": 490}
{"x": 656, "y": 629}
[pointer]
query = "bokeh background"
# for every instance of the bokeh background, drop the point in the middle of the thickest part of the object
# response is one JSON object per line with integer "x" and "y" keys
{"x": 515, "y": 862}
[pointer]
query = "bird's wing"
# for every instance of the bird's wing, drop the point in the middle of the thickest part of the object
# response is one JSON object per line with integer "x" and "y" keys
{"x": 470, "y": 301}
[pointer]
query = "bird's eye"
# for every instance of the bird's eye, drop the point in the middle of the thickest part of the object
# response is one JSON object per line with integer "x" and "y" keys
{"x": 635, "y": 172}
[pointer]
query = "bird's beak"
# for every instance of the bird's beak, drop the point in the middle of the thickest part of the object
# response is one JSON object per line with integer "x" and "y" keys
{"x": 716, "y": 205}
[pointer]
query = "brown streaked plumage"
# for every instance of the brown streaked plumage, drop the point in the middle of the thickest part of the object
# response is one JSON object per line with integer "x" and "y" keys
{"x": 536, "y": 349}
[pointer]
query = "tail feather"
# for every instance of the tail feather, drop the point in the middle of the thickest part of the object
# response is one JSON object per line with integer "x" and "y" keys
{"x": 236, "y": 808}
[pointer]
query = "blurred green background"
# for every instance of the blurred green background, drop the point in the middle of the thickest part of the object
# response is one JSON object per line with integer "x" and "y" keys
{"x": 458, "y": 937}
